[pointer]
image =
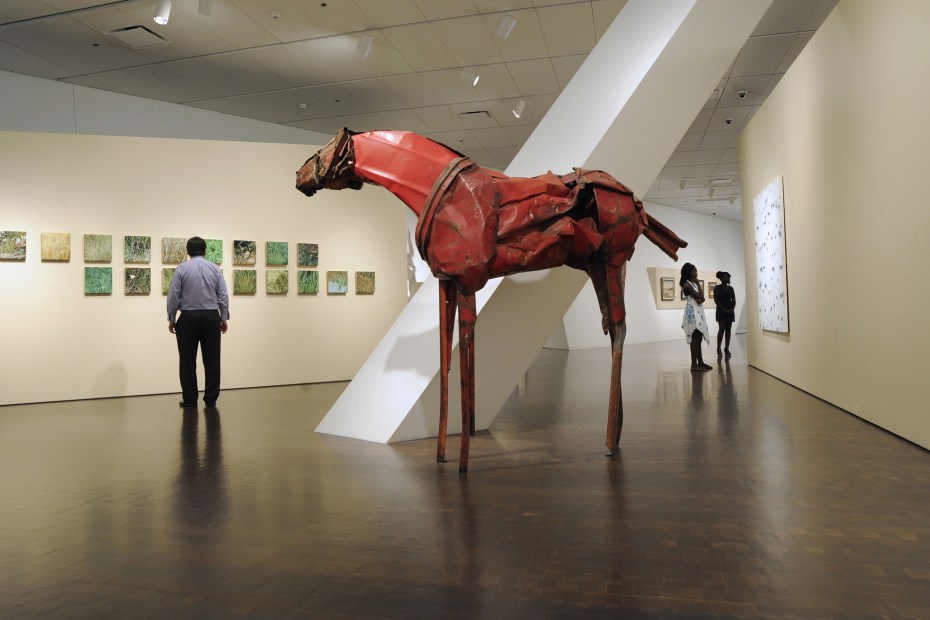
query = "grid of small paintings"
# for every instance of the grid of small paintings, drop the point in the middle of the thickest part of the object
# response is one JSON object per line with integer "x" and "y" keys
{"x": 98, "y": 248}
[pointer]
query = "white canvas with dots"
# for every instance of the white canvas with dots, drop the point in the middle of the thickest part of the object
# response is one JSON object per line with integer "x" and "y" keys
{"x": 771, "y": 270}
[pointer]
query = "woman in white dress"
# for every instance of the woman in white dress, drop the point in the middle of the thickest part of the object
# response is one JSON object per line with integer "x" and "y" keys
{"x": 694, "y": 323}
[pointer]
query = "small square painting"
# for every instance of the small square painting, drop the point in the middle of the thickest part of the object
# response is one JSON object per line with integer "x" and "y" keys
{"x": 276, "y": 252}
{"x": 244, "y": 282}
{"x": 214, "y": 251}
{"x": 98, "y": 248}
{"x": 138, "y": 249}
{"x": 308, "y": 282}
{"x": 12, "y": 245}
{"x": 667, "y": 286}
{"x": 138, "y": 280}
{"x": 98, "y": 280}
{"x": 364, "y": 282}
{"x": 243, "y": 252}
{"x": 337, "y": 282}
{"x": 276, "y": 281}
{"x": 166, "y": 274}
{"x": 56, "y": 247}
{"x": 173, "y": 250}
{"x": 308, "y": 255}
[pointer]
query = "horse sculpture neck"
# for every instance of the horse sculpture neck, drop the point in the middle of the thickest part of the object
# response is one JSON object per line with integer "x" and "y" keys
{"x": 405, "y": 164}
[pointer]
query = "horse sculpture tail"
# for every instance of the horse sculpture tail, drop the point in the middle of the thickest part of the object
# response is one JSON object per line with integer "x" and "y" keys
{"x": 665, "y": 239}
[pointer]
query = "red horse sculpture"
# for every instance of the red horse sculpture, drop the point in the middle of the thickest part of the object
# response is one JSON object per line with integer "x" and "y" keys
{"x": 475, "y": 224}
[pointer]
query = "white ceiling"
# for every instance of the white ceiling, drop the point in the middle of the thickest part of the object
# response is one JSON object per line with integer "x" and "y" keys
{"x": 301, "y": 69}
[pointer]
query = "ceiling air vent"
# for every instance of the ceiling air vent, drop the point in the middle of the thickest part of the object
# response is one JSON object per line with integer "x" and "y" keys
{"x": 137, "y": 36}
{"x": 477, "y": 119}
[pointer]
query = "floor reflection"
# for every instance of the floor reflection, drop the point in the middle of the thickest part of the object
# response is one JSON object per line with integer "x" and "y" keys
{"x": 201, "y": 500}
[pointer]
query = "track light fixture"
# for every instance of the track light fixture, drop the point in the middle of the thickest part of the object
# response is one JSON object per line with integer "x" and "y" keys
{"x": 364, "y": 45}
{"x": 205, "y": 7}
{"x": 506, "y": 26}
{"x": 518, "y": 110}
{"x": 681, "y": 184}
{"x": 470, "y": 76}
{"x": 162, "y": 12}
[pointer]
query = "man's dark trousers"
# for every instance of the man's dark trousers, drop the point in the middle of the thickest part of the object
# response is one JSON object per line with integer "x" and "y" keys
{"x": 199, "y": 327}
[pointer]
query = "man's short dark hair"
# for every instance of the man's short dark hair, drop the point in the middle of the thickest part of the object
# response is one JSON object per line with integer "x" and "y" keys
{"x": 196, "y": 247}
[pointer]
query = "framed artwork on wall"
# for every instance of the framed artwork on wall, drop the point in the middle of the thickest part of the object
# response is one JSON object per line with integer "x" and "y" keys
{"x": 244, "y": 282}
{"x": 137, "y": 249}
{"x": 276, "y": 281}
{"x": 337, "y": 282}
{"x": 771, "y": 260}
{"x": 56, "y": 247}
{"x": 243, "y": 253}
{"x": 667, "y": 287}
{"x": 98, "y": 248}
{"x": 276, "y": 253}
{"x": 710, "y": 289}
{"x": 364, "y": 282}
{"x": 308, "y": 282}
{"x": 98, "y": 280}
{"x": 701, "y": 288}
{"x": 308, "y": 255}
{"x": 166, "y": 274}
{"x": 12, "y": 245}
{"x": 138, "y": 280}
{"x": 173, "y": 250}
{"x": 214, "y": 251}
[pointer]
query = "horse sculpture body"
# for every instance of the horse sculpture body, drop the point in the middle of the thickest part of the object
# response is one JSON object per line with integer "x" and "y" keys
{"x": 475, "y": 224}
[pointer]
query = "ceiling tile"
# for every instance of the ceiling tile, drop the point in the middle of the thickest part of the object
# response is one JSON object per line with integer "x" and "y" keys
{"x": 336, "y": 17}
{"x": 719, "y": 139}
{"x": 565, "y": 68}
{"x": 690, "y": 142}
{"x": 421, "y": 47}
{"x": 534, "y": 77}
{"x": 525, "y": 40}
{"x": 496, "y": 82}
{"x": 568, "y": 29}
{"x": 737, "y": 116}
{"x": 450, "y": 86}
{"x": 385, "y": 13}
{"x": 412, "y": 89}
{"x": 446, "y": 9}
{"x": 468, "y": 40}
{"x": 784, "y": 16}
{"x": 292, "y": 25}
{"x": 458, "y": 140}
{"x": 494, "y": 6}
{"x": 761, "y": 55}
{"x": 18, "y": 60}
{"x": 493, "y": 138}
{"x": 439, "y": 118}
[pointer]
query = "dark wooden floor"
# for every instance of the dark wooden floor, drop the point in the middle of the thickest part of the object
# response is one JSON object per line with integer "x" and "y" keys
{"x": 735, "y": 496}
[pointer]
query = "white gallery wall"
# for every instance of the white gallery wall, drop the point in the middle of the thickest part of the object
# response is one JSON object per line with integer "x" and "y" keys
{"x": 60, "y": 344}
{"x": 714, "y": 244}
{"x": 847, "y": 128}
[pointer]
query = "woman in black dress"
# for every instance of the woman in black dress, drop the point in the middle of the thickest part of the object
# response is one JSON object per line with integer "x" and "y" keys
{"x": 725, "y": 299}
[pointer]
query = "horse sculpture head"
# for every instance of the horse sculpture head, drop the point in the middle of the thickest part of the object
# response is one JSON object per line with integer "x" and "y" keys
{"x": 331, "y": 167}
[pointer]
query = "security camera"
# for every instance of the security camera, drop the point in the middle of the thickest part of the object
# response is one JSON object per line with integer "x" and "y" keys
{"x": 728, "y": 121}
{"x": 742, "y": 94}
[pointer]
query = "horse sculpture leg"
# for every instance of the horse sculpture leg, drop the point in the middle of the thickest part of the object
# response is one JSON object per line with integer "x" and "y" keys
{"x": 615, "y": 406}
{"x": 467, "y": 316}
{"x": 448, "y": 294}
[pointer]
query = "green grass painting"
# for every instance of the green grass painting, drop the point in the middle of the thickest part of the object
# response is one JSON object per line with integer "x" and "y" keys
{"x": 138, "y": 280}
{"x": 166, "y": 274}
{"x": 337, "y": 282}
{"x": 12, "y": 245}
{"x": 98, "y": 280}
{"x": 98, "y": 248}
{"x": 364, "y": 282}
{"x": 308, "y": 255}
{"x": 138, "y": 249}
{"x": 243, "y": 252}
{"x": 276, "y": 252}
{"x": 308, "y": 282}
{"x": 173, "y": 250}
{"x": 56, "y": 247}
{"x": 214, "y": 251}
{"x": 276, "y": 281}
{"x": 244, "y": 282}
